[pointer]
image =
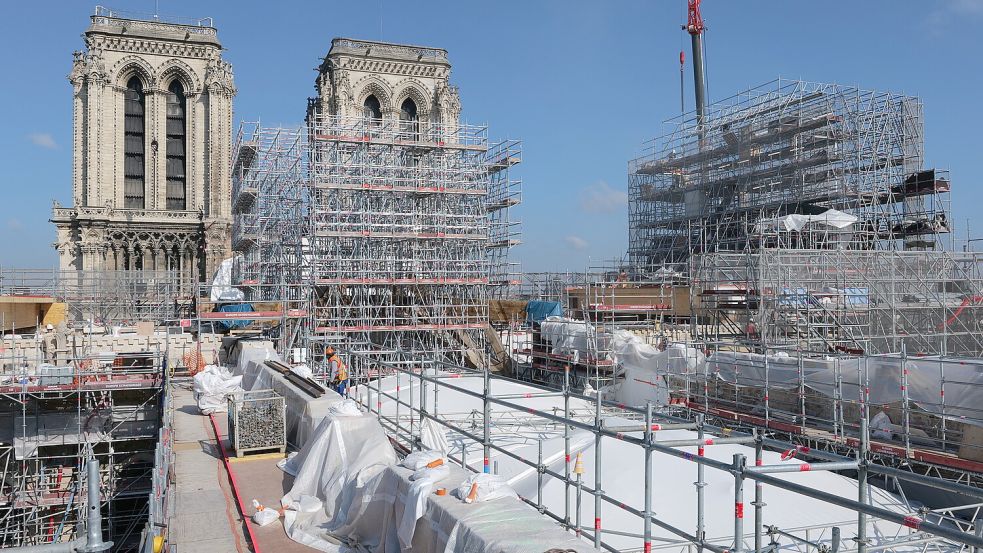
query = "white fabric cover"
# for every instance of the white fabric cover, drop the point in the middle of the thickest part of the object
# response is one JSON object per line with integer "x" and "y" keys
{"x": 343, "y": 465}
{"x": 304, "y": 412}
{"x": 420, "y": 459}
{"x": 222, "y": 289}
{"x": 963, "y": 380}
{"x": 490, "y": 487}
{"x": 433, "y": 436}
{"x": 302, "y": 371}
{"x": 571, "y": 337}
{"x": 796, "y": 222}
{"x": 212, "y": 386}
{"x": 345, "y": 408}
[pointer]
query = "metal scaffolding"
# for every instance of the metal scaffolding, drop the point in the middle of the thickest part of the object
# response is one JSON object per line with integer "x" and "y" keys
{"x": 107, "y": 402}
{"x": 788, "y": 148}
{"x": 805, "y": 219}
{"x": 409, "y": 229}
{"x": 500, "y": 416}
{"x": 101, "y": 298}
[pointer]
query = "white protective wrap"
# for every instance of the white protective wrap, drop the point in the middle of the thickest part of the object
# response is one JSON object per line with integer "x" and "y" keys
{"x": 797, "y": 222}
{"x": 212, "y": 386}
{"x": 222, "y": 289}
{"x": 924, "y": 379}
{"x": 343, "y": 465}
{"x": 304, "y": 412}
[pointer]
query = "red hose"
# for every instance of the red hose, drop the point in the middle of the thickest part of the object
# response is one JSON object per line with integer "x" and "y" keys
{"x": 963, "y": 305}
{"x": 235, "y": 485}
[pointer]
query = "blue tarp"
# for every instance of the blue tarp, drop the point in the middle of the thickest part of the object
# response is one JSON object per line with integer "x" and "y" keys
{"x": 235, "y": 308}
{"x": 537, "y": 311}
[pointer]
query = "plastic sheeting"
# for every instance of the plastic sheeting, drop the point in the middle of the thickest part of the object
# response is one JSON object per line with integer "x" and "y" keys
{"x": 797, "y": 222}
{"x": 645, "y": 368}
{"x": 673, "y": 496}
{"x": 572, "y": 337}
{"x": 349, "y": 465}
{"x": 343, "y": 465}
{"x": 963, "y": 389}
{"x": 212, "y": 387}
{"x": 222, "y": 289}
{"x": 235, "y": 308}
{"x": 304, "y": 413}
{"x": 537, "y": 310}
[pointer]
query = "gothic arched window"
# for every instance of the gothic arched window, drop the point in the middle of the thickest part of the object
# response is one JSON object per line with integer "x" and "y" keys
{"x": 371, "y": 108}
{"x": 176, "y": 175}
{"x": 134, "y": 165}
{"x": 408, "y": 120}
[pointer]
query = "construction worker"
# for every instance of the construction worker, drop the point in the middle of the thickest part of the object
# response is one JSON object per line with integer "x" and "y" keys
{"x": 339, "y": 372}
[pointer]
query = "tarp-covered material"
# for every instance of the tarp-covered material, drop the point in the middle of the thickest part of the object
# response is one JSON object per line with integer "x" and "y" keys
{"x": 343, "y": 465}
{"x": 572, "y": 337}
{"x": 797, "y": 221}
{"x": 304, "y": 412}
{"x": 644, "y": 369}
{"x": 537, "y": 310}
{"x": 963, "y": 380}
{"x": 212, "y": 387}
{"x": 235, "y": 308}
{"x": 673, "y": 492}
{"x": 222, "y": 289}
{"x": 349, "y": 465}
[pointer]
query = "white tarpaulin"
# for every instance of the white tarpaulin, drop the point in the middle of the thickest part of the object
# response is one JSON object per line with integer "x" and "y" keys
{"x": 572, "y": 337}
{"x": 673, "y": 496}
{"x": 212, "y": 387}
{"x": 797, "y": 222}
{"x": 645, "y": 367}
{"x": 222, "y": 289}
{"x": 963, "y": 380}
{"x": 304, "y": 413}
{"x": 367, "y": 499}
{"x": 343, "y": 465}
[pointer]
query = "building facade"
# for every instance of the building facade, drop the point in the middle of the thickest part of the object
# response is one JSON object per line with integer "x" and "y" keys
{"x": 152, "y": 110}
{"x": 399, "y": 82}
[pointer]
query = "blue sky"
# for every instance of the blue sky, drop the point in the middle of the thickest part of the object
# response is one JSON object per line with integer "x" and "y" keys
{"x": 583, "y": 84}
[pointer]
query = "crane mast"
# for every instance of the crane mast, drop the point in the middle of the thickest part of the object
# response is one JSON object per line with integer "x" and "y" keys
{"x": 694, "y": 26}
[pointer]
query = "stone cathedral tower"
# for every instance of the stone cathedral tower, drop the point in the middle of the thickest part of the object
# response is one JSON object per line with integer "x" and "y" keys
{"x": 152, "y": 130}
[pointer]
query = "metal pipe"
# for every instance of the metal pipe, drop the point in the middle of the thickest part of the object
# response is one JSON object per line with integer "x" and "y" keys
{"x": 738, "y": 469}
{"x": 597, "y": 470}
{"x": 707, "y": 441}
{"x": 758, "y": 501}
{"x": 803, "y": 467}
{"x": 580, "y": 489}
{"x": 566, "y": 446}
{"x": 93, "y": 542}
{"x": 908, "y": 521}
{"x": 700, "y": 84}
{"x": 650, "y": 426}
{"x": 486, "y": 426}
{"x": 647, "y": 540}
{"x": 700, "y": 484}
{"x": 94, "y": 519}
{"x": 539, "y": 479}
{"x": 862, "y": 461}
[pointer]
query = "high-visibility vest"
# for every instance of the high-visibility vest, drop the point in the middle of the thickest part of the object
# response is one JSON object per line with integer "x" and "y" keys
{"x": 342, "y": 370}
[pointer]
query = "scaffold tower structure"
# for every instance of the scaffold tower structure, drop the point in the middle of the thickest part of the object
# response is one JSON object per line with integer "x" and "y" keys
{"x": 408, "y": 228}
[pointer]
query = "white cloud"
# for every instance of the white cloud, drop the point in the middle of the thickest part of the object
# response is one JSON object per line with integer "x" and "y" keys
{"x": 601, "y": 198}
{"x": 950, "y": 13}
{"x": 576, "y": 242}
{"x": 14, "y": 224}
{"x": 43, "y": 140}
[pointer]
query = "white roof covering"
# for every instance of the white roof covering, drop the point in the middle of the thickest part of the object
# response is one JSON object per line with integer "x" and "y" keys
{"x": 674, "y": 495}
